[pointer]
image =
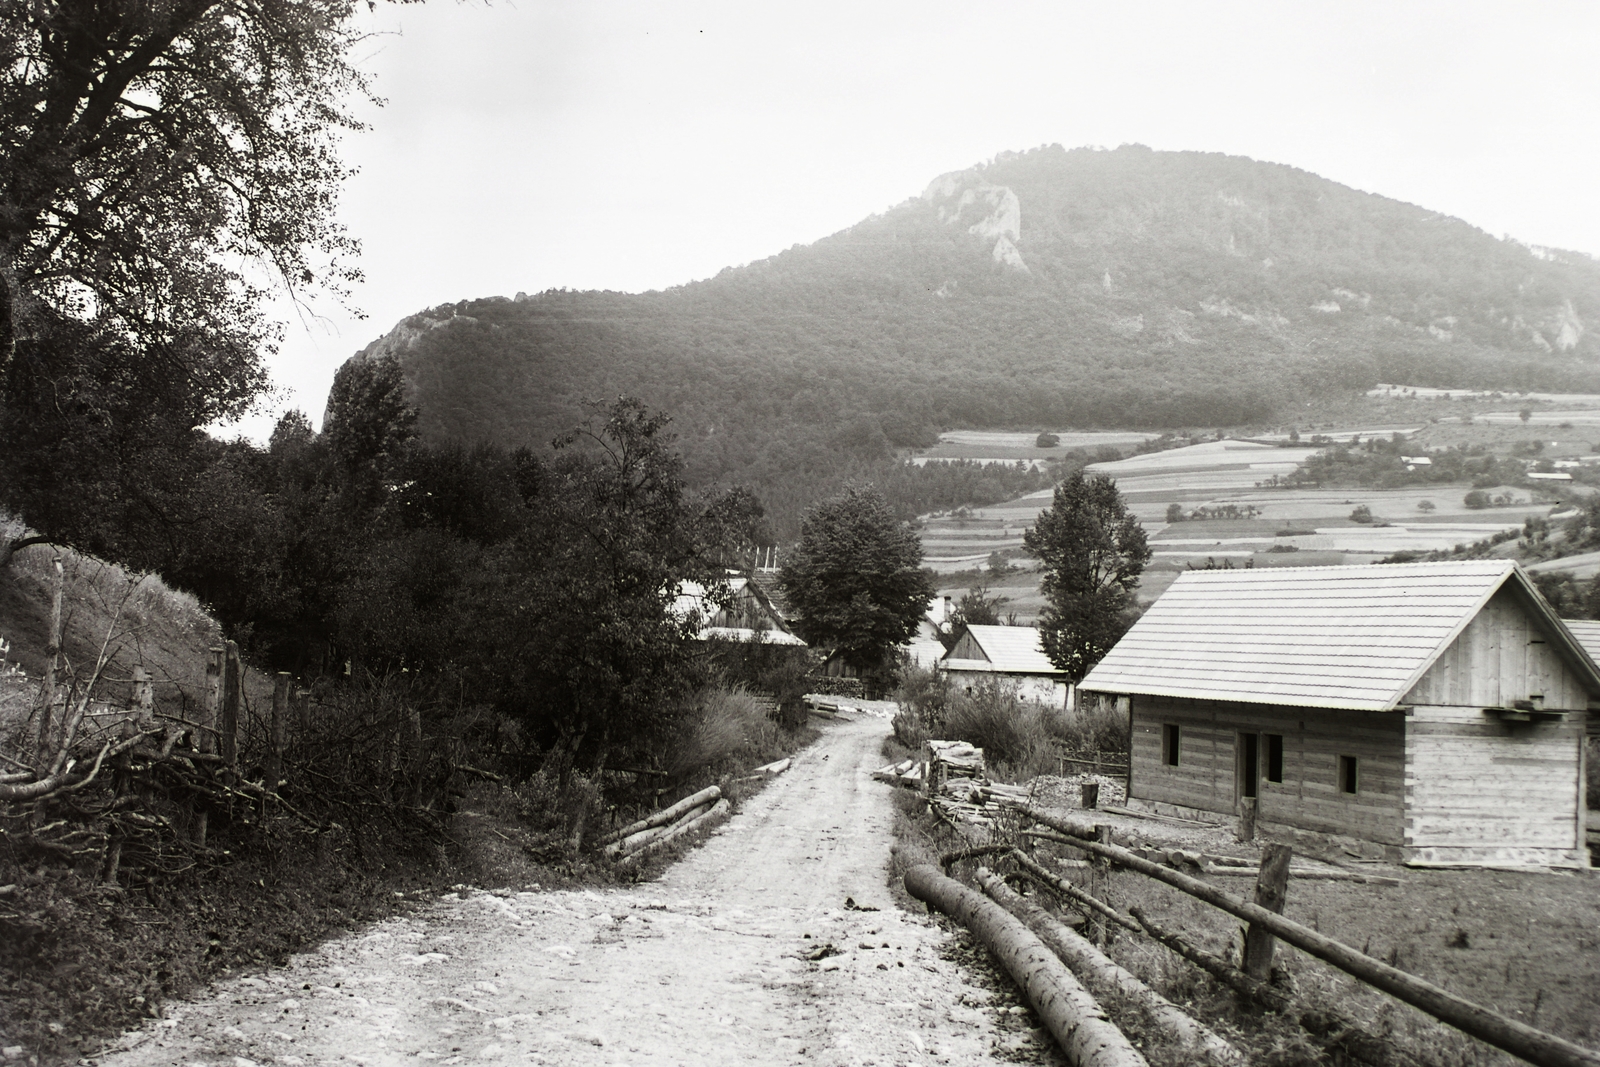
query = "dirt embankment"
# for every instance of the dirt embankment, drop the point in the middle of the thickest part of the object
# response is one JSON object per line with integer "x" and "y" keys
{"x": 775, "y": 943}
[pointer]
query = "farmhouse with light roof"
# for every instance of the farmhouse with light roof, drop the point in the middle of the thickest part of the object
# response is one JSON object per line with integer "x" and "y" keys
{"x": 1437, "y": 710}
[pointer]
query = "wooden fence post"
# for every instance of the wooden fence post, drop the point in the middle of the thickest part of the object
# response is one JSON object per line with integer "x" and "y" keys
{"x": 302, "y": 713}
{"x": 228, "y": 727}
{"x": 1272, "y": 888}
{"x": 144, "y": 695}
{"x": 1099, "y": 878}
{"x": 211, "y": 700}
{"x": 210, "y": 707}
{"x": 1247, "y": 819}
{"x": 43, "y": 725}
{"x": 276, "y": 729}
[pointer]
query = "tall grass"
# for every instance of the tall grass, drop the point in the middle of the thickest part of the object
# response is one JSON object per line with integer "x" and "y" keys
{"x": 1020, "y": 738}
{"x": 725, "y": 730}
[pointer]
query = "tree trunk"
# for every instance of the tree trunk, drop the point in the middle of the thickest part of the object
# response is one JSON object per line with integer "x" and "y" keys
{"x": 1078, "y": 1023}
{"x": 1104, "y": 977}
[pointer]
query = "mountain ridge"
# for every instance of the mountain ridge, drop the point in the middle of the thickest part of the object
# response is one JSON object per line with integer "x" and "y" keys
{"x": 1043, "y": 288}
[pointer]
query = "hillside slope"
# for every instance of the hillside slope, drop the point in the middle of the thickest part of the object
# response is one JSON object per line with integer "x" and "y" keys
{"x": 1048, "y": 288}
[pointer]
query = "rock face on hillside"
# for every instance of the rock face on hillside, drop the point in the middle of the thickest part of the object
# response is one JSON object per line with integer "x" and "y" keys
{"x": 1047, "y": 288}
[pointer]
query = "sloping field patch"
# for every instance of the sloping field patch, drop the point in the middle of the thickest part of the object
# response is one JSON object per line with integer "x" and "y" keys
{"x": 1017, "y": 444}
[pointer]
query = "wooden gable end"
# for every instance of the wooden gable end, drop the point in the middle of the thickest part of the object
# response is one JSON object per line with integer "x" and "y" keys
{"x": 1505, "y": 654}
{"x": 967, "y": 648}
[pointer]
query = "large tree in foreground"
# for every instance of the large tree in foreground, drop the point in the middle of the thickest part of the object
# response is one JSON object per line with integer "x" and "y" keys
{"x": 162, "y": 159}
{"x": 162, "y": 164}
{"x": 855, "y": 580}
{"x": 1092, "y": 552}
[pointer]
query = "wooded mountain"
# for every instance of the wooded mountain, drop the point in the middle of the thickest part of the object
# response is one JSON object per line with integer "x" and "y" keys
{"x": 1047, "y": 288}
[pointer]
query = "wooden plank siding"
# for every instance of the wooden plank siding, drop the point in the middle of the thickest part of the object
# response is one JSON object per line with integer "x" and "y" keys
{"x": 1501, "y": 657}
{"x": 967, "y": 648}
{"x": 1309, "y": 797}
{"x": 1479, "y": 790}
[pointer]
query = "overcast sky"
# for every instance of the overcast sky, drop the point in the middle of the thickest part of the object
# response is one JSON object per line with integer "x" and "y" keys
{"x": 635, "y": 145}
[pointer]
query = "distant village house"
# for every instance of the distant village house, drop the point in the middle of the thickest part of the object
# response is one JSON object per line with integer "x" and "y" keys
{"x": 1012, "y": 654}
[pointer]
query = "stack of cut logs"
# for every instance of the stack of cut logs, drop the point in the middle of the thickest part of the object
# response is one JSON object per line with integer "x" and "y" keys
{"x": 632, "y": 843}
{"x": 654, "y": 832}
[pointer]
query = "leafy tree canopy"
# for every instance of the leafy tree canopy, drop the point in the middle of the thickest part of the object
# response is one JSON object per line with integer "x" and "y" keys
{"x": 855, "y": 580}
{"x": 1092, "y": 552}
{"x": 148, "y": 151}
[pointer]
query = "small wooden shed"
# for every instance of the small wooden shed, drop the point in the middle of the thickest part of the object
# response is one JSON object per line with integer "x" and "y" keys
{"x": 1434, "y": 710}
{"x": 1009, "y": 653}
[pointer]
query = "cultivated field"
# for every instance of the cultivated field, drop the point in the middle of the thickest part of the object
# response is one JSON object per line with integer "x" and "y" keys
{"x": 1286, "y": 527}
{"x": 1009, "y": 446}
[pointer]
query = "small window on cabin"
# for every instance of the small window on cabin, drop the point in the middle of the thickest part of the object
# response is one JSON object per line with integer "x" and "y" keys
{"x": 1349, "y": 774}
{"x": 1170, "y": 736}
{"x": 1275, "y": 758}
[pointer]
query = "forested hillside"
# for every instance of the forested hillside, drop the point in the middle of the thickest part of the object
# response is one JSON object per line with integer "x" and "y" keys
{"x": 1049, "y": 288}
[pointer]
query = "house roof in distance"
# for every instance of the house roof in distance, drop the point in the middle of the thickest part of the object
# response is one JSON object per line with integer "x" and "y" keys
{"x": 1322, "y": 637}
{"x": 1010, "y": 650}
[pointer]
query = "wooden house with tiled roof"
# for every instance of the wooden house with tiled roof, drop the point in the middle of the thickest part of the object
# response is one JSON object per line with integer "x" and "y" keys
{"x": 1435, "y": 710}
{"x": 1012, "y": 654}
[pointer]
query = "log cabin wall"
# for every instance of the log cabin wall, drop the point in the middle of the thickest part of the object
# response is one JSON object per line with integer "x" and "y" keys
{"x": 1309, "y": 797}
{"x": 1482, "y": 790}
{"x": 1479, "y": 790}
{"x": 1501, "y": 657}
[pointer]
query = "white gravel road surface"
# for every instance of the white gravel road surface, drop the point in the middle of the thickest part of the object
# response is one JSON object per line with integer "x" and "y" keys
{"x": 706, "y": 967}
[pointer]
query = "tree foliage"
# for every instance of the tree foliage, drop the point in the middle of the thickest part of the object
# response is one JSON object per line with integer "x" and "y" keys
{"x": 149, "y": 152}
{"x": 1092, "y": 552}
{"x": 855, "y": 580}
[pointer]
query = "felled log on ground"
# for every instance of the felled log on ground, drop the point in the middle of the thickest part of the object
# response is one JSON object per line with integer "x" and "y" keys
{"x": 666, "y": 815}
{"x": 676, "y": 831}
{"x": 1104, "y": 977}
{"x": 634, "y": 842}
{"x": 1503, "y": 1032}
{"x": 1078, "y": 1023}
{"x": 775, "y": 767}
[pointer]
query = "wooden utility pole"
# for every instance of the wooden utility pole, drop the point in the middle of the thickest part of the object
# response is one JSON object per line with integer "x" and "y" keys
{"x": 1272, "y": 889}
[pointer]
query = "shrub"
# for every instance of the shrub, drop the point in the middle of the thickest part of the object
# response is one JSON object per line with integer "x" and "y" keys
{"x": 923, "y": 696}
{"x": 554, "y": 812}
{"x": 1097, "y": 729}
{"x": 1046, "y": 440}
{"x": 724, "y": 729}
{"x": 1362, "y": 513}
{"x": 1016, "y": 735}
{"x": 1476, "y": 499}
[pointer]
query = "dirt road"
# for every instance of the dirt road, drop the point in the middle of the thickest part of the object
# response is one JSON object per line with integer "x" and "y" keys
{"x": 706, "y": 967}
